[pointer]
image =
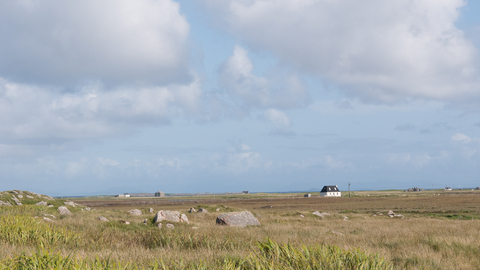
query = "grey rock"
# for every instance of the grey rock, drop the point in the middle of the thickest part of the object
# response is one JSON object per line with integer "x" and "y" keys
{"x": 192, "y": 210}
{"x": 173, "y": 216}
{"x": 42, "y": 203}
{"x": 202, "y": 210}
{"x": 194, "y": 228}
{"x": 159, "y": 225}
{"x": 30, "y": 197}
{"x": 135, "y": 212}
{"x": 20, "y": 196}
{"x": 48, "y": 215}
{"x": 151, "y": 210}
{"x": 72, "y": 204}
{"x": 124, "y": 222}
{"x": 218, "y": 209}
{"x": 103, "y": 219}
{"x": 50, "y": 205}
{"x": 240, "y": 219}
{"x": 345, "y": 218}
{"x": 47, "y": 219}
{"x": 399, "y": 216}
{"x": 170, "y": 226}
{"x": 316, "y": 213}
{"x": 17, "y": 201}
{"x": 337, "y": 233}
{"x": 87, "y": 208}
{"x": 64, "y": 210}
{"x": 14, "y": 192}
{"x": 302, "y": 216}
{"x": 145, "y": 221}
{"x": 325, "y": 214}
{"x": 5, "y": 203}
{"x": 390, "y": 212}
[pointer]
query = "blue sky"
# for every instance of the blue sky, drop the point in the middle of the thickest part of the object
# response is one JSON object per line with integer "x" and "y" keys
{"x": 223, "y": 96}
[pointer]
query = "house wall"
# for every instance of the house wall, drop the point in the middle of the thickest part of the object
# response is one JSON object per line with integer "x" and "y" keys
{"x": 331, "y": 194}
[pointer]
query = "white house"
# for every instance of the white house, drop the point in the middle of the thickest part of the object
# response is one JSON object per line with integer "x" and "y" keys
{"x": 330, "y": 191}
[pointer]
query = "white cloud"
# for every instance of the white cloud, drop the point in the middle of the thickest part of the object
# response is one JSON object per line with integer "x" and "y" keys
{"x": 114, "y": 41}
{"x": 236, "y": 76}
{"x": 380, "y": 51}
{"x": 108, "y": 162}
{"x": 461, "y": 137}
{"x": 28, "y": 111}
{"x": 277, "y": 118}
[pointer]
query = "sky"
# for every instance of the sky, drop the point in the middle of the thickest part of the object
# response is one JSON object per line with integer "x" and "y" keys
{"x": 113, "y": 96}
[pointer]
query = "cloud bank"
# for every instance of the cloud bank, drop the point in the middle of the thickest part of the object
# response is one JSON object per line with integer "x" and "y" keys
{"x": 380, "y": 51}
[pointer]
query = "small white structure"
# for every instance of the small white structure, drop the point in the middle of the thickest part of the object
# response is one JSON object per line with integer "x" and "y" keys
{"x": 330, "y": 191}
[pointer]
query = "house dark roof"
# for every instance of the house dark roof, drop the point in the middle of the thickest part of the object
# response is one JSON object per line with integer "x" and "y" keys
{"x": 329, "y": 189}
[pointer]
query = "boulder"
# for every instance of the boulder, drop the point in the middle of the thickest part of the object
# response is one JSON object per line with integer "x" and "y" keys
{"x": 390, "y": 212}
{"x": 30, "y": 197}
{"x": 87, "y": 208}
{"x": 316, "y": 213}
{"x": 240, "y": 219}
{"x": 135, "y": 212}
{"x": 20, "y": 196}
{"x": 50, "y": 205}
{"x": 48, "y": 215}
{"x": 192, "y": 210}
{"x": 183, "y": 218}
{"x": 202, "y": 210}
{"x": 170, "y": 226}
{"x": 345, "y": 218}
{"x": 124, "y": 222}
{"x": 145, "y": 221}
{"x": 399, "y": 216}
{"x": 64, "y": 210}
{"x": 151, "y": 210}
{"x": 42, "y": 203}
{"x": 302, "y": 216}
{"x": 325, "y": 214}
{"x": 218, "y": 209}
{"x": 159, "y": 225}
{"x": 103, "y": 218}
{"x": 167, "y": 215}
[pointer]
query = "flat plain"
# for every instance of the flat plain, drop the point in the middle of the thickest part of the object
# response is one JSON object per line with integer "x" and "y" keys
{"x": 438, "y": 230}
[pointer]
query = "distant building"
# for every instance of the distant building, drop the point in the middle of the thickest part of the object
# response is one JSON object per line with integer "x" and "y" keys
{"x": 245, "y": 192}
{"x": 159, "y": 194}
{"x": 477, "y": 188}
{"x": 414, "y": 189}
{"x": 330, "y": 191}
{"x": 448, "y": 188}
{"x": 120, "y": 195}
{"x": 308, "y": 195}
{"x": 126, "y": 194}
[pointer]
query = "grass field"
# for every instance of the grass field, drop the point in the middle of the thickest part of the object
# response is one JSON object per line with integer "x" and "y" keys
{"x": 438, "y": 232}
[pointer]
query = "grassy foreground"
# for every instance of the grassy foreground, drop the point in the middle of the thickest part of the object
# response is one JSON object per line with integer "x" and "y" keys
{"x": 426, "y": 239}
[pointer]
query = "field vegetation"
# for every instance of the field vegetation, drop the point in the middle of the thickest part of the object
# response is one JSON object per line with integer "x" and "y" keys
{"x": 437, "y": 232}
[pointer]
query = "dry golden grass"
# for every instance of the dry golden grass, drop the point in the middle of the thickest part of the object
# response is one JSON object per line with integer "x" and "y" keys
{"x": 438, "y": 232}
